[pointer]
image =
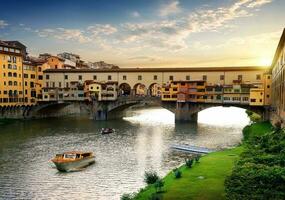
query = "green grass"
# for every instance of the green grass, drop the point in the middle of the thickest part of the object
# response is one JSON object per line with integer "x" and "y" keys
{"x": 213, "y": 167}
{"x": 256, "y": 129}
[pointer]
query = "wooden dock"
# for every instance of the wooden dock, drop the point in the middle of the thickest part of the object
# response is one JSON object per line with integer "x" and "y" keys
{"x": 192, "y": 149}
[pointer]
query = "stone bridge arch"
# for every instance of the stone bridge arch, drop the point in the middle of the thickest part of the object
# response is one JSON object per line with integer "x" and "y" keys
{"x": 189, "y": 111}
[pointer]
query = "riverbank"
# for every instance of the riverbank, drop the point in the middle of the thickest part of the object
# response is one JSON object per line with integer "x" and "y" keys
{"x": 205, "y": 180}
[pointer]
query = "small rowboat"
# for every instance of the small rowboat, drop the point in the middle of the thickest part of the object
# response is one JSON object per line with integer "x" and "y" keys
{"x": 107, "y": 130}
{"x": 73, "y": 160}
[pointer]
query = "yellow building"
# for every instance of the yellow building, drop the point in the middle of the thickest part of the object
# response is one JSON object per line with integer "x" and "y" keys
{"x": 267, "y": 85}
{"x": 256, "y": 97}
{"x": 169, "y": 91}
{"x": 107, "y": 91}
{"x": 11, "y": 88}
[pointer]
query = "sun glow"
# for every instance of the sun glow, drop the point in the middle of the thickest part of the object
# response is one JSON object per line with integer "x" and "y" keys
{"x": 265, "y": 61}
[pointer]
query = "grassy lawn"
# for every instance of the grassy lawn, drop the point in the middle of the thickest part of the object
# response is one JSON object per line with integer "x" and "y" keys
{"x": 257, "y": 129}
{"x": 205, "y": 180}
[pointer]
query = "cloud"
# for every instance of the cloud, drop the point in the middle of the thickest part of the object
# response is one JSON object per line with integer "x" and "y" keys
{"x": 135, "y": 14}
{"x": 3, "y": 24}
{"x": 169, "y": 9}
{"x": 101, "y": 29}
{"x": 258, "y": 3}
{"x": 65, "y": 34}
{"x": 145, "y": 58}
{"x": 167, "y": 34}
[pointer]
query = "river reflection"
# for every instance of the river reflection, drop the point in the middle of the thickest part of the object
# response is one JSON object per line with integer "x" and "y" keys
{"x": 141, "y": 142}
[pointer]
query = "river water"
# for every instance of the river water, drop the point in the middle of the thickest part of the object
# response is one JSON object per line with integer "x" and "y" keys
{"x": 142, "y": 141}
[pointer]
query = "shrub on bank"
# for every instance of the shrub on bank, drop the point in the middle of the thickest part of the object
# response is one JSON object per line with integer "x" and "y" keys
{"x": 150, "y": 177}
{"x": 260, "y": 172}
{"x": 189, "y": 162}
{"x": 128, "y": 196}
{"x": 177, "y": 173}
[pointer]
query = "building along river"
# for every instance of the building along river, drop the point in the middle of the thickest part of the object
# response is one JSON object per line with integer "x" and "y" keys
{"x": 141, "y": 142}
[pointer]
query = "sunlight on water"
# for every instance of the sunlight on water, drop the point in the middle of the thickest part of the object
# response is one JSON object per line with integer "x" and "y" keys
{"x": 152, "y": 116}
{"x": 217, "y": 116}
{"x": 223, "y": 116}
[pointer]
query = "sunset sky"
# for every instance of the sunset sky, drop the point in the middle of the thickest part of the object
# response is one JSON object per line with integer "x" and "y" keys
{"x": 148, "y": 33}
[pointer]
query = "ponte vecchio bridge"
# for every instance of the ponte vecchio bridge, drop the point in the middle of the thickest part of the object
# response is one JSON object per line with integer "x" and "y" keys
{"x": 184, "y": 91}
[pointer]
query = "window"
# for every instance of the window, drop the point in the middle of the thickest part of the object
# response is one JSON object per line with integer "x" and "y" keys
{"x": 47, "y": 77}
{"x": 40, "y": 77}
{"x": 139, "y": 77}
{"x": 124, "y": 77}
{"x": 65, "y": 77}
{"x": 154, "y": 77}
{"x": 94, "y": 77}
{"x": 188, "y": 78}
{"x": 258, "y": 77}
{"x": 15, "y": 83}
{"x": 239, "y": 77}
{"x": 252, "y": 100}
{"x": 204, "y": 77}
{"x": 9, "y": 74}
{"x": 80, "y": 77}
{"x": 26, "y": 76}
{"x": 268, "y": 86}
{"x": 39, "y": 69}
{"x": 171, "y": 78}
{"x": 33, "y": 76}
{"x": 109, "y": 77}
{"x": 222, "y": 77}
{"x": 59, "y": 84}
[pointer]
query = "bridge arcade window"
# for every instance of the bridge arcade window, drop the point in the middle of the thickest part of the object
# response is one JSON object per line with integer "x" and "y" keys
{"x": 94, "y": 77}
{"x": 239, "y": 77}
{"x": 258, "y": 77}
{"x": 222, "y": 77}
{"x": 109, "y": 77}
{"x": 65, "y": 77}
{"x": 154, "y": 77}
{"x": 204, "y": 77}
{"x": 139, "y": 77}
{"x": 124, "y": 77}
{"x": 171, "y": 78}
{"x": 188, "y": 78}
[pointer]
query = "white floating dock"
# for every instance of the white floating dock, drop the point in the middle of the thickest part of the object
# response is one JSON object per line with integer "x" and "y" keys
{"x": 193, "y": 149}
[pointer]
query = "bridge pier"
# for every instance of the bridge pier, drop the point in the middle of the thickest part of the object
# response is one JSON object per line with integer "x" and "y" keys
{"x": 184, "y": 112}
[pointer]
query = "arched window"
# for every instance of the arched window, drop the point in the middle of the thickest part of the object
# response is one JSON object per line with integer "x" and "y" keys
{"x": 15, "y": 83}
{"x": 10, "y": 83}
{"x": 10, "y": 92}
{"x": 14, "y": 74}
{"x": 15, "y": 92}
{"x": 10, "y": 74}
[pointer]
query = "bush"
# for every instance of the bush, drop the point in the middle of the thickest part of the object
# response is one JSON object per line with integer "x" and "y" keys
{"x": 150, "y": 177}
{"x": 260, "y": 172}
{"x": 158, "y": 185}
{"x": 177, "y": 173}
{"x": 128, "y": 196}
{"x": 156, "y": 196}
{"x": 189, "y": 162}
{"x": 197, "y": 158}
